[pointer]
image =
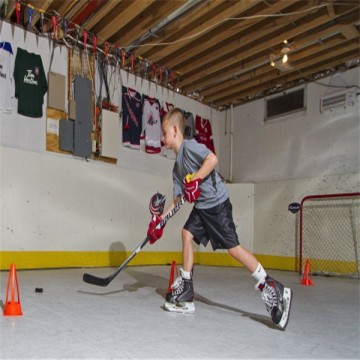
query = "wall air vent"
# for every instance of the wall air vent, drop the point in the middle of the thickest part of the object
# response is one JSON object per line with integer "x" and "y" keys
{"x": 343, "y": 98}
{"x": 284, "y": 104}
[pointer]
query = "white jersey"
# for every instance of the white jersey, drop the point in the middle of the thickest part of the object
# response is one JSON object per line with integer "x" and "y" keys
{"x": 151, "y": 125}
{"x": 6, "y": 78}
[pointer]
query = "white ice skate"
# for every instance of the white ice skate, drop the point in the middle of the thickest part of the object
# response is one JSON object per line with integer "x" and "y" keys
{"x": 182, "y": 295}
{"x": 277, "y": 300}
{"x": 180, "y": 307}
{"x": 287, "y": 297}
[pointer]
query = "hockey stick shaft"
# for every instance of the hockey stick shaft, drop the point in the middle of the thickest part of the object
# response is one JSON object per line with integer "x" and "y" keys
{"x": 95, "y": 280}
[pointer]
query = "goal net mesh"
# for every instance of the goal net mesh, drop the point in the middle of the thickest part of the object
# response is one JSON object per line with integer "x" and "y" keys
{"x": 329, "y": 234}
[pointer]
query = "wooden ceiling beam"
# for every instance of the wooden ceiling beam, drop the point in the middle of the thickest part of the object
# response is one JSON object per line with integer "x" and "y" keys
{"x": 43, "y": 5}
{"x": 253, "y": 64}
{"x": 238, "y": 46}
{"x": 180, "y": 27}
{"x": 253, "y": 94}
{"x": 217, "y": 51}
{"x": 87, "y": 11}
{"x": 113, "y": 23}
{"x": 102, "y": 12}
{"x": 350, "y": 32}
{"x": 331, "y": 10}
{"x": 74, "y": 9}
{"x": 237, "y": 30}
{"x": 252, "y": 68}
{"x": 236, "y": 9}
{"x": 234, "y": 52}
{"x": 10, "y": 9}
{"x": 227, "y": 59}
{"x": 134, "y": 30}
{"x": 299, "y": 62}
{"x": 315, "y": 67}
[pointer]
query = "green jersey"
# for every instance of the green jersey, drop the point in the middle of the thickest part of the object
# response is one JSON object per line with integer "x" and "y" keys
{"x": 30, "y": 83}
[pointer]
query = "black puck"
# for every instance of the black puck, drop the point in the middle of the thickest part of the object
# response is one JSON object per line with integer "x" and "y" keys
{"x": 39, "y": 290}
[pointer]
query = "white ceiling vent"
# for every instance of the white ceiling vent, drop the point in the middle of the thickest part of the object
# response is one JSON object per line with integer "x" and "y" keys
{"x": 343, "y": 98}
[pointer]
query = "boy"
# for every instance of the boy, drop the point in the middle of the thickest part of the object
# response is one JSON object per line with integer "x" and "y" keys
{"x": 195, "y": 178}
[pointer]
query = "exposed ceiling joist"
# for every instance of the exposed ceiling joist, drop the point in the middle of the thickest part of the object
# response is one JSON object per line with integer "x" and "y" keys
{"x": 221, "y": 48}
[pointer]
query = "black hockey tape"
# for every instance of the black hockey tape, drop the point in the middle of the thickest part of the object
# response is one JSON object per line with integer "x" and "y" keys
{"x": 39, "y": 290}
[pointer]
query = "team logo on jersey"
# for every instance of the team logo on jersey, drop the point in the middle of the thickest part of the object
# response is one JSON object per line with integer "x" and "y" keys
{"x": 151, "y": 120}
{"x": 29, "y": 78}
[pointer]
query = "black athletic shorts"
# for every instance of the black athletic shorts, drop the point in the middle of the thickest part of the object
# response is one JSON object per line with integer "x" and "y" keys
{"x": 215, "y": 224}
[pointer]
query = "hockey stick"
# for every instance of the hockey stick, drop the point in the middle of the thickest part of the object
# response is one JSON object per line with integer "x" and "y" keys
{"x": 94, "y": 280}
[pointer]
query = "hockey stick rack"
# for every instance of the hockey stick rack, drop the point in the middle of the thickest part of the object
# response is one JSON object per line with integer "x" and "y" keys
{"x": 99, "y": 281}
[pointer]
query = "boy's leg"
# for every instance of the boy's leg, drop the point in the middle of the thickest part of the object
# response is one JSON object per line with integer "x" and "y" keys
{"x": 245, "y": 257}
{"x": 187, "y": 250}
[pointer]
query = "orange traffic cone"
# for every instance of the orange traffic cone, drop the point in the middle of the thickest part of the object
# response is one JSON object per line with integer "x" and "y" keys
{"x": 172, "y": 277}
{"x": 12, "y": 307}
{"x": 306, "y": 280}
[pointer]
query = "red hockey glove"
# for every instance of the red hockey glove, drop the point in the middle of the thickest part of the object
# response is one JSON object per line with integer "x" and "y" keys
{"x": 153, "y": 233}
{"x": 191, "y": 188}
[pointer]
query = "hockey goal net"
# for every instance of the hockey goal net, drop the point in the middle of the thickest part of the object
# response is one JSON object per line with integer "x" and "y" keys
{"x": 329, "y": 234}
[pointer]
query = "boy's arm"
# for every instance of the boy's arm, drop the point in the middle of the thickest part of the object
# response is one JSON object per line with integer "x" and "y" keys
{"x": 171, "y": 206}
{"x": 207, "y": 167}
{"x": 192, "y": 183}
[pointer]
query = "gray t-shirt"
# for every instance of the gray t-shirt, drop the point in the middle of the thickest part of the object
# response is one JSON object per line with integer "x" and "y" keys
{"x": 189, "y": 159}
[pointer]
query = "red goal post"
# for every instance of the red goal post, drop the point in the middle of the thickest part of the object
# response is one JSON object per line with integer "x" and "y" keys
{"x": 329, "y": 234}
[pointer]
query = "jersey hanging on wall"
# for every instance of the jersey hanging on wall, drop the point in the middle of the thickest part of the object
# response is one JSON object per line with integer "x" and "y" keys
{"x": 30, "y": 83}
{"x": 151, "y": 125}
{"x": 6, "y": 79}
{"x": 203, "y": 133}
{"x": 131, "y": 117}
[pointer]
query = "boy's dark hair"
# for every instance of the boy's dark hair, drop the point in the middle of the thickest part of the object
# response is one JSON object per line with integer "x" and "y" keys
{"x": 176, "y": 117}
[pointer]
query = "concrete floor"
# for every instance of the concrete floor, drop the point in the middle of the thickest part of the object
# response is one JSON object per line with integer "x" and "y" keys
{"x": 74, "y": 320}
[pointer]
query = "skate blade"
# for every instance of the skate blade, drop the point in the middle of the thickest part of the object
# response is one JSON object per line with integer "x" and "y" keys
{"x": 185, "y": 308}
{"x": 287, "y": 298}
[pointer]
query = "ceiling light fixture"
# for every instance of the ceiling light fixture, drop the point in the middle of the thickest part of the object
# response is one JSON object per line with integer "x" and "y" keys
{"x": 281, "y": 61}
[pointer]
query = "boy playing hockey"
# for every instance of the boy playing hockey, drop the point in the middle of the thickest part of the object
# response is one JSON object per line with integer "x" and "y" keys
{"x": 195, "y": 178}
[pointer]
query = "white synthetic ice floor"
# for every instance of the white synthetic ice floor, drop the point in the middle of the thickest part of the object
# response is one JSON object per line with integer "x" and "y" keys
{"x": 74, "y": 320}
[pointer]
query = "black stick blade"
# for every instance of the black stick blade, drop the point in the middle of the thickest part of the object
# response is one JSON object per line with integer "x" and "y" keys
{"x": 94, "y": 280}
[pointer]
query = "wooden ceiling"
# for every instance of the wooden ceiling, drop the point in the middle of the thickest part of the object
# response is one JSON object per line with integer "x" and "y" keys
{"x": 220, "y": 50}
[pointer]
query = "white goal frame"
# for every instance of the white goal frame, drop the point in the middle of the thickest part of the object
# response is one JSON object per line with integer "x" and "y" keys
{"x": 331, "y": 244}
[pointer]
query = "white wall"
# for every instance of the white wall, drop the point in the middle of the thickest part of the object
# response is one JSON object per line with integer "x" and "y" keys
{"x": 287, "y": 159}
{"x": 275, "y": 232}
{"x": 58, "y": 202}
{"x": 300, "y": 145}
